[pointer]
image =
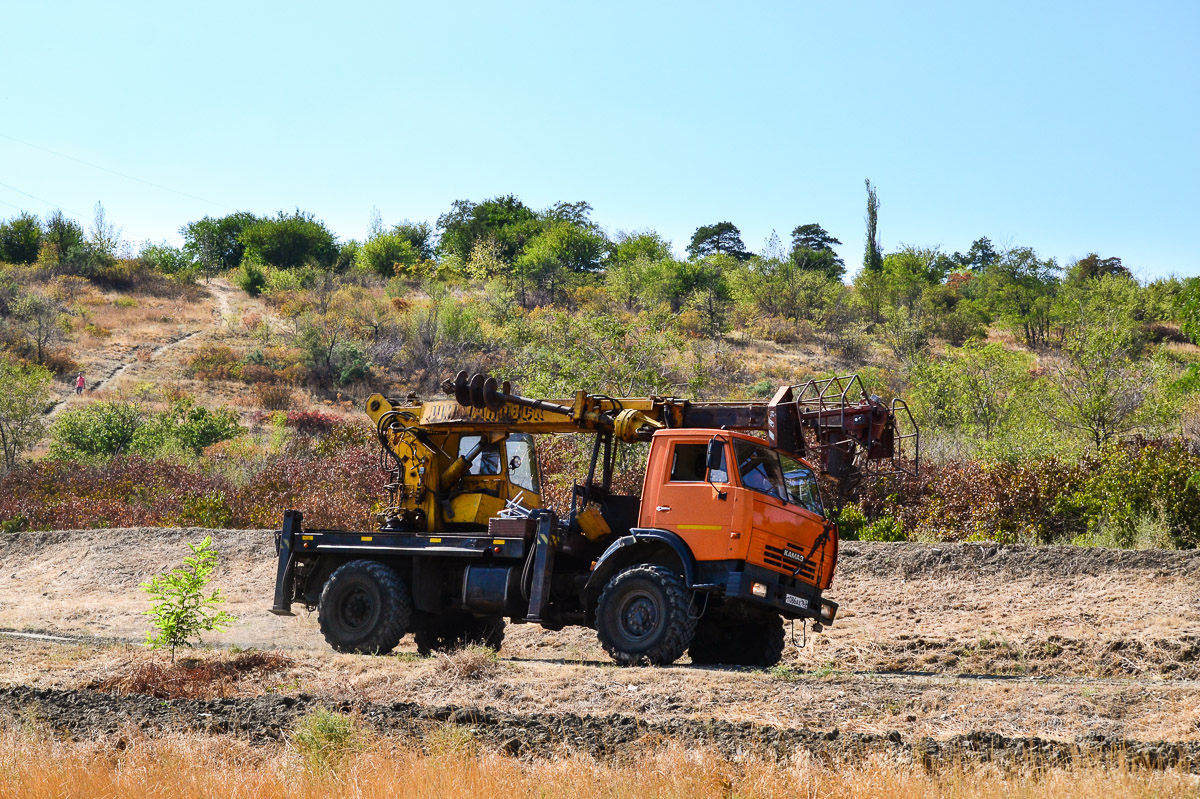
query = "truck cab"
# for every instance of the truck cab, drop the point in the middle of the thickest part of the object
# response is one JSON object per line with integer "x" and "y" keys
{"x": 733, "y": 498}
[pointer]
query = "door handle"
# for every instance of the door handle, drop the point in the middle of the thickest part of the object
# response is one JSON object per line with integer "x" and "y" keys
{"x": 663, "y": 508}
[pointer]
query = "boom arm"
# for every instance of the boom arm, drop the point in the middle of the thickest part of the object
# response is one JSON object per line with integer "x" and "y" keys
{"x": 832, "y": 422}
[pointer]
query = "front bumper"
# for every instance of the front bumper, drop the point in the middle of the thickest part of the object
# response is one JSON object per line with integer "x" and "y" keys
{"x": 790, "y": 598}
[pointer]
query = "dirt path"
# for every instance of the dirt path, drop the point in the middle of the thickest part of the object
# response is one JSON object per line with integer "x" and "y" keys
{"x": 133, "y": 362}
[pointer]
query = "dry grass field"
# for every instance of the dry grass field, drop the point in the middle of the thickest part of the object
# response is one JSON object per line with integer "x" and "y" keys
{"x": 137, "y": 766}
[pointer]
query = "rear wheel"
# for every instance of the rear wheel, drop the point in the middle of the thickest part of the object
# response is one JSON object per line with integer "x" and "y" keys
{"x": 365, "y": 607}
{"x": 642, "y": 616}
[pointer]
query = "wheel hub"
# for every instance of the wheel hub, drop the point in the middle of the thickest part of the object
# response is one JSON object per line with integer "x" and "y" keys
{"x": 356, "y": 608}
{"x": 639, "y": 616}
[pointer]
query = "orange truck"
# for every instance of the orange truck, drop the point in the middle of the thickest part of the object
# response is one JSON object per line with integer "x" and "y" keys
{"x": 728, "y": 539}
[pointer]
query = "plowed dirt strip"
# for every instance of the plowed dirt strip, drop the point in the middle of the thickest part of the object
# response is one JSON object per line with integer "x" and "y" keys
{"x": 266, "y": 719}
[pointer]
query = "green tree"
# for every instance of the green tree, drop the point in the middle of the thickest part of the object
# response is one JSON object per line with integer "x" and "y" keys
{"x": 647, "y": 244}
{"x": 419, "y": 235}
{"x": 1019, "y": 288}
{"x": 784, "y": 288}
{"x": 42, "y": 319}
{"x": 630, "y": 259}
{"x": 180, "y": 609}
{"x": 722, "y": 238}
{"x": 812, "y": 249}
{"x": 674, "y": 283}
{"x": 1098, "y": 387}
{"x": 387, "y": 254}
{"x": 1187, "y": 304}
{"x": 176, "y": 262}
{"x": 1092, "y": 266}
{"x": 873, "y": 255}
{"x": 980, "y": 257}
{"x": 552, "y": 257}
{"x": 975, "y": 390}
{"x": 825, "y": 262}
{"x": 216, "y": 243}
{"x": 24, "y": 391}
{"x": 65, "y": 247}
{"x": 290, "y": 241}
{"x": 505, "y": 220}
{"x": 20, "y": 239}
{"x": 555, "y": 353}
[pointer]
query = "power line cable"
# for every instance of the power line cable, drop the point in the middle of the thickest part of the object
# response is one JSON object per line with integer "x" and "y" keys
{"x": 118, "y": 174}
{"x": 76, "y": 214}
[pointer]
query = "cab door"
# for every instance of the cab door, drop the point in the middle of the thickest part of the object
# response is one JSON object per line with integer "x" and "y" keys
{"x": 688, "y": 504}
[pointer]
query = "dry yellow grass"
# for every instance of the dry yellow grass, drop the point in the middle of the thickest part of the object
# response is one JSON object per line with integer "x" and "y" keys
{"x": 136, "y": 766}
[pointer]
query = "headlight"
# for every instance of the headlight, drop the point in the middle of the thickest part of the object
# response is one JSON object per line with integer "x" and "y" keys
{"x": 827, "y": 611}
{"x": 758, "y": 589}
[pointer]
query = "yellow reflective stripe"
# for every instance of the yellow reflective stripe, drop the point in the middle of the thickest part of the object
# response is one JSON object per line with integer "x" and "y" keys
{"x": 435, "y": 540}
{"x": 368, "y": 538}
{"x": 497, "y": 540}
{"x": 306, "y": 538}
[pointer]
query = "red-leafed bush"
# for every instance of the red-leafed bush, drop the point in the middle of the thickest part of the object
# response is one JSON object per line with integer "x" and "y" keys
{"x": 130, "y": 491}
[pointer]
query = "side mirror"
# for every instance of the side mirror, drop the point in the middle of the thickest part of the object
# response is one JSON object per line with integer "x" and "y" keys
{"x": 715, "y": 457}
{"x": 714, "y": 460}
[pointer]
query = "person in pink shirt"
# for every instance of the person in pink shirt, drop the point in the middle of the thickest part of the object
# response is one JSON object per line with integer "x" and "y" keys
{"x": 79, "y": 384}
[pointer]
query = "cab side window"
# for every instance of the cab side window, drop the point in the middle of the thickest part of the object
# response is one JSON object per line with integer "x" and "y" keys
{"x": 487, "y": 461}
{"x": 688, "y": 465}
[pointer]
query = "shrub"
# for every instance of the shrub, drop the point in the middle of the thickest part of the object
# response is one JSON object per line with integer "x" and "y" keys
{"x": 850, "y": 522}
{"x": 258, "y": 373}
{"x": 215, "y": 362}
{"x": 273, "y": 397}
{"x": 185, "y": 427}
{"x": 205, "y": 510}
{"x": 324, "y": 739}
{"x": 250, "y": 278}
{"x": 99, "y": 429}
{"x": 181, "y": 611}
{"x": 885, "y": 528}
{"x": 344, "y": 435}
{"x": 133, "y": 491}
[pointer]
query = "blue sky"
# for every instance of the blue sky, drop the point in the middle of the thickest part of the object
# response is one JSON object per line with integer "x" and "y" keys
{"x": 1068, "y": 127}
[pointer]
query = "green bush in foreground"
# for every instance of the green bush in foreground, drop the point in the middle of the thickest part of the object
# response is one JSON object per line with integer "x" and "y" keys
{"x": 181, "y": 611}
{"x": 324, "y": 739}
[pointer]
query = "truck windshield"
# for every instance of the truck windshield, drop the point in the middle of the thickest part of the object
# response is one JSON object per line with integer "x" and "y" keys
{"x": 759, "y": 469}
{"x": 777, "y": 475}
{"x": 801, "y": 484}
{"x": 522, "y": 462}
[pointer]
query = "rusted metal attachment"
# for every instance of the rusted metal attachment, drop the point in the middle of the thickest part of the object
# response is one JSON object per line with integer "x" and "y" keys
{"x": 850, "y": 429}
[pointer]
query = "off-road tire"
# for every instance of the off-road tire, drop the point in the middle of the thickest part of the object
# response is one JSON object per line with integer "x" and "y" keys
{"x": 487, "y": 631}
{"x": 759, "y": 644}
{"x": 365, "y": 607}
{"x": 448, "y": 632}
{"x": 642, "y": 616}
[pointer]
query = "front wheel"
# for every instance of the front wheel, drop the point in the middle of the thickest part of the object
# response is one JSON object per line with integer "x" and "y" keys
{"x": 642, "y": 616}
{"x": 365, "y": 607}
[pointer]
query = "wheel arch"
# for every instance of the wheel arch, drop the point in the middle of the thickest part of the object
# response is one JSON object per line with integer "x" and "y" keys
{"x": 642, "y": 545}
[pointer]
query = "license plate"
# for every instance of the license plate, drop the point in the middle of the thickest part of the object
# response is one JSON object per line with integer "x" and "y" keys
{"x": 787, "y": 553}
{"x": 796, "y": 601}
